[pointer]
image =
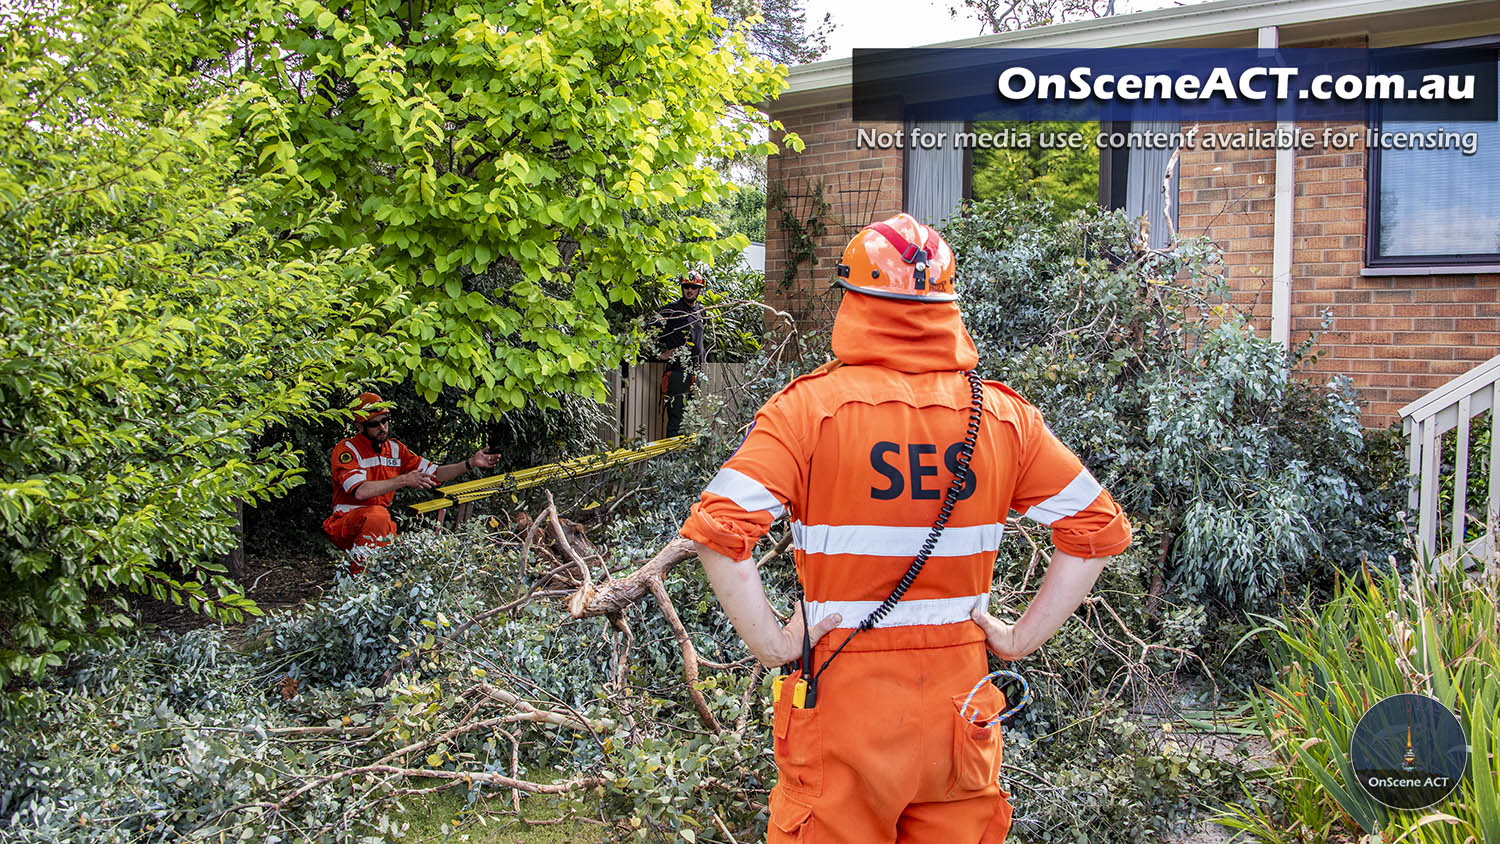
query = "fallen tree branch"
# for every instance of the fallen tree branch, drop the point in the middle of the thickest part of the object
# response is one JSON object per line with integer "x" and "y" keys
{"x": 689, "y": 655}
{"x": 284, "y": 732}
{"x": 562, "y": 542}
{"x": 756, "y": 672}
{"x": 529, "y": 712}
{"x": 622, "y": 651}
{"x": 526, "y": 548}
{"x": 621, "y": 592}
{"x": 781, "y": 545}
{"x": 726, "y": 666}
{"x": 482, "y": 777}
{"x": 719, "y": 822}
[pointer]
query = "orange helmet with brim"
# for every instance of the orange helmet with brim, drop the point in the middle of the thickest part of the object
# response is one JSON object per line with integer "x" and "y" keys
{"x": 363, "y": 407}
{"x": 899, "y": 258}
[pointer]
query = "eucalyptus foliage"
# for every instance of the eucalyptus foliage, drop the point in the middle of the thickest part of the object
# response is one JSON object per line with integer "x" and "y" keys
{"x": 207, "y": 734}
{"x": 161, "y": 738}
{"x": 1249, "y": 477}
{"x": 176, "y": 736}
{"x": 149, "y": 327}
{"x": 464, "y": 138}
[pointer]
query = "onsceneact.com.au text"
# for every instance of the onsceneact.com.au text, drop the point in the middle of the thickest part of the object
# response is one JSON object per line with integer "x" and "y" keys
{"x": 1254, "y": 83}
{"x": 1295, "y": 137}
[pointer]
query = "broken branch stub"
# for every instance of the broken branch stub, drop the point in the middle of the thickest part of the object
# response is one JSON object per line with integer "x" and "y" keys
{"x": 615, "y": 595}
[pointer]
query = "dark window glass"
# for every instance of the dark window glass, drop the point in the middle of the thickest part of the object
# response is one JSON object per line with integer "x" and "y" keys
{"x": 1437, "y": 206}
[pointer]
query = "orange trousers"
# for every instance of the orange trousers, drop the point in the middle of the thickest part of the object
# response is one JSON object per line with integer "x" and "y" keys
{"x": 884, "y": 755}
{"x": 359, "y": 532}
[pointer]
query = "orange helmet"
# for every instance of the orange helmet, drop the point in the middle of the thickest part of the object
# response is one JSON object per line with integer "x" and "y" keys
{"x": 898, "y": 258}
{"x": 364, "y": 400}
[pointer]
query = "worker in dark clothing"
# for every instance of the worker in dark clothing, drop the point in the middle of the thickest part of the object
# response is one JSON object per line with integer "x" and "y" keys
{"x": 680, "y": 344}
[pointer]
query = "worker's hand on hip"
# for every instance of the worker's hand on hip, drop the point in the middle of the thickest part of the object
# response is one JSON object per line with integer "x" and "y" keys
{"x": 789, "y": 644}
{"x": 999, "y": 637}
{"x": 418, "y": 480}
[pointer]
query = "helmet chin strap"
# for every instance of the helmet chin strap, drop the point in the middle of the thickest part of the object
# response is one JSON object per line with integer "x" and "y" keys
{"x": 911, "y": 253}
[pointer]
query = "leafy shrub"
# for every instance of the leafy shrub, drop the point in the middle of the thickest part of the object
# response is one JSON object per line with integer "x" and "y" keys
{"x": 1249, "y": 481}
{"x": 1480, "y": 476}
{"x": 157, "y": 739}
{"x": 735, "y": 318}
{"x": 511, "y": 139}
{"x": 380, "y": 654}
{"x": 149, "y": 330}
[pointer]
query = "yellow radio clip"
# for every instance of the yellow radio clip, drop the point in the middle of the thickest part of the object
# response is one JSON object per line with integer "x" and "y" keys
{"x": 799, "y": 691}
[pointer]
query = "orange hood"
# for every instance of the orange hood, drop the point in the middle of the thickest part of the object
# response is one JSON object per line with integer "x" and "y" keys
{"x": 904, "y": 336}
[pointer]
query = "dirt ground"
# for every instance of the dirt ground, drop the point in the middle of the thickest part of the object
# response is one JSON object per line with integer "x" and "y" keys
{"x": 273, "y": 583}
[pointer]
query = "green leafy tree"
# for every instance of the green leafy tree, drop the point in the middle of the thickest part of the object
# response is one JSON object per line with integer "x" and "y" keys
{"x": 745, "y": 212}
{"x": 516, "y": 165}
{"x": 1066, "y": 176}
{"x": 149, "y": 329}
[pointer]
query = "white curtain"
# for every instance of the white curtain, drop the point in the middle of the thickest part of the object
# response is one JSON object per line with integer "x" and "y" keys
{"x": 1143, "y": 173}
{"x": 934, "y": 177}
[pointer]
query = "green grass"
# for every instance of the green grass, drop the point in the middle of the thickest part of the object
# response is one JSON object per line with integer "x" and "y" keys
{"x": 432, "y": 817}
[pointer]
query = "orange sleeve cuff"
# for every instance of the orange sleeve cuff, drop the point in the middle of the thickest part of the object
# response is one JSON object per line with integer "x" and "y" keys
{"x": 727, "y": 530}
{"x": 1106, "y": 541}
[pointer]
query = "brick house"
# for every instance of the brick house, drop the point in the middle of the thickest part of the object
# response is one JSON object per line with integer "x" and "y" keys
{"x": 1410, "y": 273}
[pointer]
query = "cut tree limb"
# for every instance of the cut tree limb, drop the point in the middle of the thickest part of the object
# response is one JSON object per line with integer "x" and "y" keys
{"x": 689, "y": 655}
{"x": 531, "y": 713}
{"x": 483, "y": 777}
{"x": 617, "y": 594}
{"x": 781, "y": 545}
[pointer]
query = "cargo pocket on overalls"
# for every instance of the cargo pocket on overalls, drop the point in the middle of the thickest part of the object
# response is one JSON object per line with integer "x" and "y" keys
{"x": 976, "y": 747}
{"x": 999, "y": 826}
{"x": 791, "y": 821}
{"x": 799, "y": 747}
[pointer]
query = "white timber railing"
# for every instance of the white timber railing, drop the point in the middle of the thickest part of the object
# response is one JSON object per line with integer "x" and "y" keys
{"x": 1425, "y": 421}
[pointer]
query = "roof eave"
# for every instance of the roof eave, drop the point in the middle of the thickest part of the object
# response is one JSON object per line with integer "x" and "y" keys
{"x": 822, "y": 83}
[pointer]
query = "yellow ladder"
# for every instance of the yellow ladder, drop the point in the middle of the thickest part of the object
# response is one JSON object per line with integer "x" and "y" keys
{"x": 461, "y": 496}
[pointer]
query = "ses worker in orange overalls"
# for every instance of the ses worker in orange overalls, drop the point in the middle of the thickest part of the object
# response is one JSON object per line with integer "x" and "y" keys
{"x": 368, "y": 468}
{"x": 875, "y": 745}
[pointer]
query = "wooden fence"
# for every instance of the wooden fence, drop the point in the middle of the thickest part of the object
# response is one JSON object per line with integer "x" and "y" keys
{"x": 641, "y": 410}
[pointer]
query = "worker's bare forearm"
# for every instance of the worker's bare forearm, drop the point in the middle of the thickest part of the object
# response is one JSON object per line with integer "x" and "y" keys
{"x": 375, "y": 489}
{"x": 739, "y": 590}
{"x": 449, "y": 471}
{"x": 1068, "y": 581}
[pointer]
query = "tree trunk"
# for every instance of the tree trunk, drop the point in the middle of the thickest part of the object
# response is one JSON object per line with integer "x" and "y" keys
{"x": 234, "y": 561}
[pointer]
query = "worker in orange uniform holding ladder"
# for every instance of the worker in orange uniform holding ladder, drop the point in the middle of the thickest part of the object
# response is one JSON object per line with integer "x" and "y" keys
{"x": 368, "y": 468}
{"x": 897, "y": 467}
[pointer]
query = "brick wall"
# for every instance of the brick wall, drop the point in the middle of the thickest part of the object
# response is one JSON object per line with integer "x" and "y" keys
{"x": 1396, "y": 337}
{"x": 859, "y": 186}
{"x": 1230, "y": 196}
